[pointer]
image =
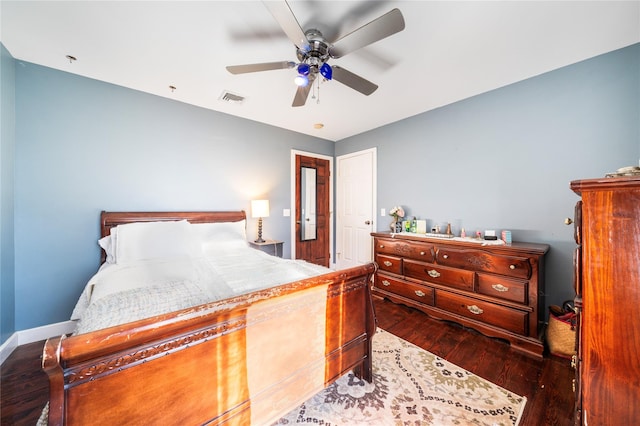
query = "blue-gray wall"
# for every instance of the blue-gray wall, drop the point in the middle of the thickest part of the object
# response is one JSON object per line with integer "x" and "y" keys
{"x": 504, "y": 159}
{"x": 499, "y": 160}
{"x": 83, "y": 146}
{"x": 7, "y": 144}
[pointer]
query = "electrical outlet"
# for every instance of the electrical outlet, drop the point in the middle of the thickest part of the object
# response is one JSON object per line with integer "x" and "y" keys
{"x": 286, "y": 212}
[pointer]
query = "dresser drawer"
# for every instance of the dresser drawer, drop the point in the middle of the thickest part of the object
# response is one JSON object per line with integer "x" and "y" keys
{"x": 500, "y": 316}
{"x": 417, "y": 292}
{"x": 389, "y": 263}
{"x": 478, "y": 260}
{"x": 503, "y": 288}
{"x": 457, "y": 278}
{"x": 414, "y": 250}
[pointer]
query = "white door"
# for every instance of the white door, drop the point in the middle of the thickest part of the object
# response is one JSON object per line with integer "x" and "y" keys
{"x": 355, "y": 206}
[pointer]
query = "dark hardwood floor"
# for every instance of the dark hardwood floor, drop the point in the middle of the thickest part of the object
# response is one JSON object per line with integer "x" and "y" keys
{"x": 546, "y": 383}
{"x": 24, "y": 387}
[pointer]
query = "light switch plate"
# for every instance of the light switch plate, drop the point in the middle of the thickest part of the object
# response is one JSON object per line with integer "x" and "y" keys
{"x": 383, "y": 212}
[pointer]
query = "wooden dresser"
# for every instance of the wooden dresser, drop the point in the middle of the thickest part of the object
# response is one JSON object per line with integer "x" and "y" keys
{"x": 497, "y": 290}
{"x": 607, "y": 261}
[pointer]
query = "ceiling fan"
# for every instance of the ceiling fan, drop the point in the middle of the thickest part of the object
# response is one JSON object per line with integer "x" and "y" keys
{"x": 314, "y": 51}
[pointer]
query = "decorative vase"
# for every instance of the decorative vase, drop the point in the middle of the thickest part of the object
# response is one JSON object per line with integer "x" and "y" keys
{"x": 396, "y": 225}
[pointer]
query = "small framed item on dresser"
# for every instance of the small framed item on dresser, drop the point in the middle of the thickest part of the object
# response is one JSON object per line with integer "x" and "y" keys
{"x": 272, "y": 247}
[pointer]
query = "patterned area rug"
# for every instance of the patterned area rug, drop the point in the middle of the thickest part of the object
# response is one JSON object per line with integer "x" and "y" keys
{"x": 410, "y": 387}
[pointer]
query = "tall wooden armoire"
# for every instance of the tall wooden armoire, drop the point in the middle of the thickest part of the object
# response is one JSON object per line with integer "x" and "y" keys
{"x": 607, "y": 261}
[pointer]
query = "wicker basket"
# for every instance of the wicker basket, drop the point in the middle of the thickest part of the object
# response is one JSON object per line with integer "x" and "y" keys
{"x": 561, "y": 335}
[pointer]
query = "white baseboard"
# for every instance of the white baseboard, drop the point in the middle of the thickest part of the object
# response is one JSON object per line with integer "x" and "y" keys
{"x": 8, "y": 346}
{"x": 36, "y": 334}
{"x": 42, "y": 333}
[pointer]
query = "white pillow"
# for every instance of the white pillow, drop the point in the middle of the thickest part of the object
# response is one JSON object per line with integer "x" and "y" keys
{"x": 155, "y": 240}
{"x": 223, "y": 233}
{"x": 107, "y": 245}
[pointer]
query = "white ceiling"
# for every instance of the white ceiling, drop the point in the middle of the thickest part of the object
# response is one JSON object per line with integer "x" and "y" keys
{"x": 449, "y": 51}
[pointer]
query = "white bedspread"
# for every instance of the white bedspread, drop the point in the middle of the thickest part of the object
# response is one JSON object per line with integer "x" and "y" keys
{"x": 119, "y": 293}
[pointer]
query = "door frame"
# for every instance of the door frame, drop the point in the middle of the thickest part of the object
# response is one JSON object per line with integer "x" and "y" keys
{"x": 295, "y": 152}
{"x": 374, "y": 186}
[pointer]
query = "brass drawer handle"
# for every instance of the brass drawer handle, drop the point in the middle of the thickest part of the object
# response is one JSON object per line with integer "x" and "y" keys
{"x": 573, "y": 385}
{"x": 446, "y": 256}
{"x": 475, "y": 310}
{"x": 574, "y": 361}
{"x": 512, "y": 267}
{"x": 500, "y": 287}
{"x": 422, "y": 253}
{"x": 420, "y": 293}
{"x": 433, "y": 273}
{"x": 381, "y": 245}
{"x": 387, "y": 263}
{"x": 386, "y": 283}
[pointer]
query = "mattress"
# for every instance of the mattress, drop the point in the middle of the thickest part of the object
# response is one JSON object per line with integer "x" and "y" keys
{"x": 121, "y": 293}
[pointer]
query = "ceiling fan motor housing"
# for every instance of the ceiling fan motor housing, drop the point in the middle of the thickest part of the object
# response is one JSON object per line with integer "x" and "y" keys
{"x": 316, "y": 53}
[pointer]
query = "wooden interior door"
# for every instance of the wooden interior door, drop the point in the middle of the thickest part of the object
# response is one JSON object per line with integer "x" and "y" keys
{"x": 314, "y": 250}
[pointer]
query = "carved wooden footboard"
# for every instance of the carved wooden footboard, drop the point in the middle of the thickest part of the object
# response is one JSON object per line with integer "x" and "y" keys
{"x": 245, "y": 360}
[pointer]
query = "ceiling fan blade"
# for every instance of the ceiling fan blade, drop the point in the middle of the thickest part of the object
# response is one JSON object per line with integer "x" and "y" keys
{"x": 388, "y": 24}
{"x": 303, "y": 93}
{"x": 265, "y": 66}
{"x": 353, "y": 81}
{"x": 287, "y": 20}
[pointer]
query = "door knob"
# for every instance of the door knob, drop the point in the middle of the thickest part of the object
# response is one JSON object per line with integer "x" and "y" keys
{"x": 568, "y": 221}
{"x": 367, "y": 222}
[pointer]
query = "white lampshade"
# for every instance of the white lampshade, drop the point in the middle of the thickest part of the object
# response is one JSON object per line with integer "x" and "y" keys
{"x": 259, "y": 208}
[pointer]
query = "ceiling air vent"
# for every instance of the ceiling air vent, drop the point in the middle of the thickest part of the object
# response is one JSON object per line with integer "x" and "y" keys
{"x": 231, "y": 97}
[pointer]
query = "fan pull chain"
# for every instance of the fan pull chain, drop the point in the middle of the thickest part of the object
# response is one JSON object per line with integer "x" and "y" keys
{"x": 318, "y": 101}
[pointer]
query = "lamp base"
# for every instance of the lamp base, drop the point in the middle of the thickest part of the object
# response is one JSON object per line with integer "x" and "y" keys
{"x": 259, "y": 240}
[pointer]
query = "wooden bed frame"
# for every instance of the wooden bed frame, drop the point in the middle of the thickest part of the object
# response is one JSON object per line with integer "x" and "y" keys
{"x": 245, "y": 360}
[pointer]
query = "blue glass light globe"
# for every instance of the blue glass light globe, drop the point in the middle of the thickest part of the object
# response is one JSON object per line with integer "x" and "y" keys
{"x": 304, "y": 69}
{"x": 326, "y": 71}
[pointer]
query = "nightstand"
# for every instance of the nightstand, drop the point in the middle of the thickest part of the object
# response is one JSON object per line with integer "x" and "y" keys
{"x": 272, "y": 247}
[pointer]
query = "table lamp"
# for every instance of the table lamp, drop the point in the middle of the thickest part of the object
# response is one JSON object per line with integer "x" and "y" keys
{"x": 259, "y": 209}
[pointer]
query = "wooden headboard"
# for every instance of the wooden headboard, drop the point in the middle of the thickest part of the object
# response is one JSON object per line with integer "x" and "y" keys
{"x": 111, "y": 219}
